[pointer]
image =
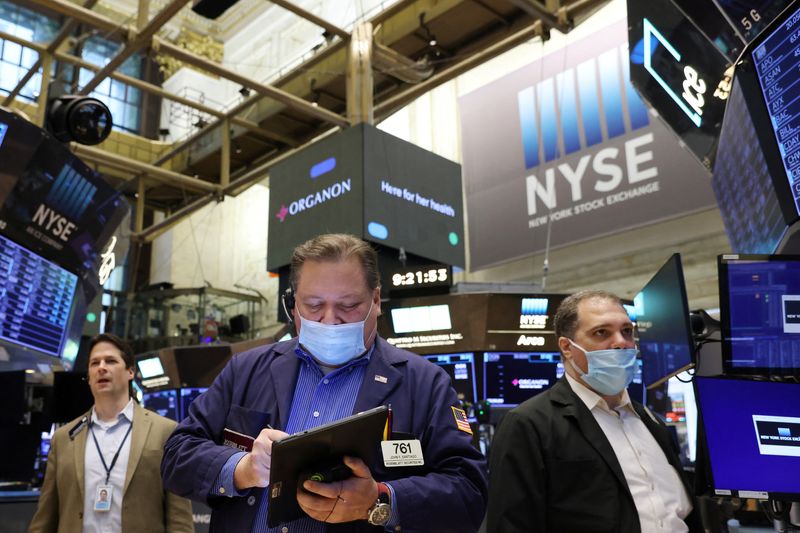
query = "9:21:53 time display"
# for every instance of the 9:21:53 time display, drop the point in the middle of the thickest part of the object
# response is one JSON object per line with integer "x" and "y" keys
{"x": 433, "y": 276}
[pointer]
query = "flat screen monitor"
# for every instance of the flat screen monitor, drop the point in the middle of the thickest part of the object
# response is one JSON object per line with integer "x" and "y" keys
{"x": 662, "y": 318}
{"x": 36, "y": 298}
{"x": 760, "y": 314}
{"x": 188, "y": 395}
{"x": 510, "y": 378}
{"x": 150, "y": 367}
{"x": 461, "y": 369}
{"x": 767, "y": 74}
{"x": 164, "y": 402}
{"x": 421, "y": 318}
{"x": 752, "y": 434}
{"x": 71, "y": 396}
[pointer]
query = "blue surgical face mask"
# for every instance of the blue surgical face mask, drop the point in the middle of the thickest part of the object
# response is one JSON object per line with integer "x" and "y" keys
{"x": 333, "y": 344}
{"x": 610, "y": 371}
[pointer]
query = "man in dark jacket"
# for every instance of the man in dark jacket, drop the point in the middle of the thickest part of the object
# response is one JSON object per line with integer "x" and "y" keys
{"x": 583, "y": 456}
{"x": 338, "y": 366}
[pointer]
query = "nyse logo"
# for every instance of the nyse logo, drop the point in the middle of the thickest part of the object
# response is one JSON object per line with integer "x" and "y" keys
{"x": 53, "y": 222}
{"x": 562, "y": 115}
{"x": 530, "y": 340}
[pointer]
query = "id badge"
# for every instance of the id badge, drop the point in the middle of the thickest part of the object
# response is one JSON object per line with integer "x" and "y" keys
{"x": 402, "y": 453}
{"x": 102, "y": 500}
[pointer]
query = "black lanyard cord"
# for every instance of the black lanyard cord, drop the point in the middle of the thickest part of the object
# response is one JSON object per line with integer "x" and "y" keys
{"x": 108, "y": 469}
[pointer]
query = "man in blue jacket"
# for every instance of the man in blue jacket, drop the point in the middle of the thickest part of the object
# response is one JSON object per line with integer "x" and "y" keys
{"x": 336, "y": 367}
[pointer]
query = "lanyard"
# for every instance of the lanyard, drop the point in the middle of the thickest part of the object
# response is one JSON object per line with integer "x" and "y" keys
{"x": 116, "y": 455}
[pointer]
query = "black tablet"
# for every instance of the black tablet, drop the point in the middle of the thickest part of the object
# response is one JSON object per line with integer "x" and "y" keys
{"x": 358, "y": 435}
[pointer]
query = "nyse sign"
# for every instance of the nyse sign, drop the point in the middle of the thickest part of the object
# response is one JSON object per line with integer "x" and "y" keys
{"x": 570, "y": 152}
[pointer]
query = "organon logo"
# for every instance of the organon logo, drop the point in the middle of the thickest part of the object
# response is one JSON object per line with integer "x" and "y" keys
{"x": 282, "y": 212}
{"x": 321, "y": 196}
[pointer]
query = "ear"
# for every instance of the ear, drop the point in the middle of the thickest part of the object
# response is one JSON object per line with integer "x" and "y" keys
{"x": 130, "y": 374}
{"x": 565, "y": 346}
{"x": 376, "y": 301}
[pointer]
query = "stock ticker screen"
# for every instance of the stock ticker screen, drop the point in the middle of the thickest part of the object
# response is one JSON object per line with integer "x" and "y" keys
{"x": 760, "y": 313}
{"x": 775, "y": 62}
{"x": 35, "y": 299}
{"x": 743, "y": 185}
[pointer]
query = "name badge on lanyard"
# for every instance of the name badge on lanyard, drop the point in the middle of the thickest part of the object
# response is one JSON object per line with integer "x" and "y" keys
{"x": 105, "y": 492}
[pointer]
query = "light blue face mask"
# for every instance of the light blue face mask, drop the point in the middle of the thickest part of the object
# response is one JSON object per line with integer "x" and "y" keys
{"x": 333, "y": 344}
{"x": 610, "y": 371}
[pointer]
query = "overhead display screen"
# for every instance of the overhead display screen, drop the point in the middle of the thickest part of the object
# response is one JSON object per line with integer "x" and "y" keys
{"x": 742, "y": 183}
{"x": 35, "y": 299}
{"x": 318, "y": 190}
{"x": 412, "y": 198}
{"x": 775, "y": 62}
{"x": 368, "y": 183}
{"x": 679, "y": 71}
{"x": 53, "y": 204}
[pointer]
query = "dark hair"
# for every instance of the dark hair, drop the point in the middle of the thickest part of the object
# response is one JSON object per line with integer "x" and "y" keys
{"x": 125, "y": 351}
{"x": 566, "y": 320}
{"x": 336, "y": 247}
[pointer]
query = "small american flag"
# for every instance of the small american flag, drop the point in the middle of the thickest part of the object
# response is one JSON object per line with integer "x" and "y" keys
{"x": 461, "y": 420}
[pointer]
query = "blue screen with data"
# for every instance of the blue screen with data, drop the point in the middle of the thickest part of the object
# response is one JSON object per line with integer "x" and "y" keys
{"x": 36, "y": 298}
{"x": 760, "y": 311}
{"x": 752, "y": 431}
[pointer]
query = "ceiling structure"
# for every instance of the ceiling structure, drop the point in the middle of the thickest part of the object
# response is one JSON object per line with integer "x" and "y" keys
{"x": 408, "y": 49}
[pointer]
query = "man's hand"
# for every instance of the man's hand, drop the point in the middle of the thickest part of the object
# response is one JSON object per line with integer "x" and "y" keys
{"x": 253, "y": 469}
{"x": 340, "y": 501}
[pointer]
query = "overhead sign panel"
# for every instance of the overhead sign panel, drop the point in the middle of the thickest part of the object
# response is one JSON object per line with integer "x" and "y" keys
{"x": 568, "y": 153}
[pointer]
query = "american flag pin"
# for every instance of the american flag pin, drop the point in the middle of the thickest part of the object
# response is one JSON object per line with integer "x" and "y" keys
{"x": 381, "y": 379}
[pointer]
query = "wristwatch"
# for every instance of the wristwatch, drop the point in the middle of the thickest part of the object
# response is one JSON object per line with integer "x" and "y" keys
{"x": 379, "y": 513}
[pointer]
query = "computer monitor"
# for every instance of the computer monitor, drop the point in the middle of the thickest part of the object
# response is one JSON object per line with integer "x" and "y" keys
{"x": 421, "y": 318}
{"x": 188, "y": 395}
{"x": 510, "y": 378}
{"x": 150, "y": 367}
{"x": 36, "y": 300}
{"x": 760, "y": 314}
{"x": 752, "y": 436}
{"x": 662, "y": 319}
{"x": 164, "y": 402}
{"x": 461, "y": 369}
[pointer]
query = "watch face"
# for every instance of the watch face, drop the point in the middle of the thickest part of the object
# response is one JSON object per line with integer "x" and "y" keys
{"x": 379, "y": 514}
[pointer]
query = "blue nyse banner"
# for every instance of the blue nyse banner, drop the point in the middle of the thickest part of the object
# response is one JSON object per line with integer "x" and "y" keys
{"x": 569, "y": 146}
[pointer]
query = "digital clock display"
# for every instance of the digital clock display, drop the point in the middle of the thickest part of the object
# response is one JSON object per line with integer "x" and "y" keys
{"x": 422, "y": 277}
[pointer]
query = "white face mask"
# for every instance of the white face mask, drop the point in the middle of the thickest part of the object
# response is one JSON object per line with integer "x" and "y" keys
{"x": 333, "y": 344}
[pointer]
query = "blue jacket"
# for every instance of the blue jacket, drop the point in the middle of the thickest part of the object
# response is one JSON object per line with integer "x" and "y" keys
{"x": 256, "y": 388}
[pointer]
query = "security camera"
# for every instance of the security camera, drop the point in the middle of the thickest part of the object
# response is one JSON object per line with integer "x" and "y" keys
{"x": 82, "y": 119}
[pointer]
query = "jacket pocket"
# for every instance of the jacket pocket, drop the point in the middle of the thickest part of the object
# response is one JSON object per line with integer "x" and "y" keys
{"x": 247, "y": 421}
